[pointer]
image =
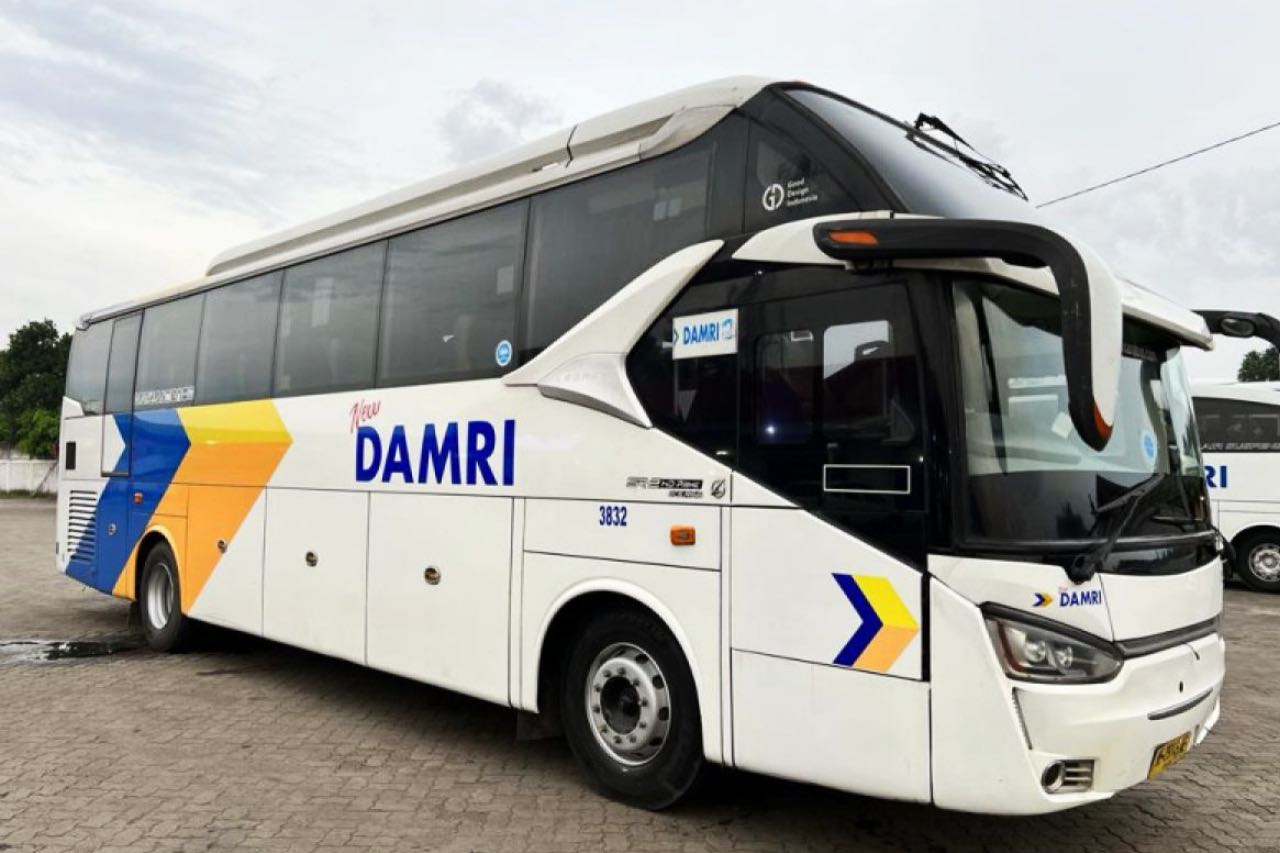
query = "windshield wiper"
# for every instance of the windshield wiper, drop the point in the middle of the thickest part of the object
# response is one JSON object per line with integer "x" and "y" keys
{"x": 1086, "y": 565}
{"x": 986, "y": 168}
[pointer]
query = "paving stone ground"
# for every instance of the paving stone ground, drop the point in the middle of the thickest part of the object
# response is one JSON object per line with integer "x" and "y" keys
{"x": 248, "y": 745}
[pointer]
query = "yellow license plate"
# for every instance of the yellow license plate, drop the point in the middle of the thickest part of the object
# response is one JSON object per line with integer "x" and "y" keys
{"x": 1169, "y": 753}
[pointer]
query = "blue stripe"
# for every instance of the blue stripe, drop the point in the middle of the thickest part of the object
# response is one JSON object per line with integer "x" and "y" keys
{"x": 870, "y": 626}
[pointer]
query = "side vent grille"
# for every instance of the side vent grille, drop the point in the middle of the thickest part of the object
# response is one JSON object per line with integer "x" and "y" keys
{"x": 82, "y": 537}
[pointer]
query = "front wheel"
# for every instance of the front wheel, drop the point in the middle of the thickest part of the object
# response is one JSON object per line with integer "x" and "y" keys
{"x": 630, "y": 710}
{"x": 159, "y": 594}
{"x": 1258, "y": 560}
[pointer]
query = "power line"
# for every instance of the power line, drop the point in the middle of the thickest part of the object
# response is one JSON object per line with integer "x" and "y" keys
{"x": 1186, "y": 156}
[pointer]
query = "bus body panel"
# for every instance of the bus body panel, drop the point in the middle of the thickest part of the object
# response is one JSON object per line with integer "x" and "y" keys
{"x": 313, "y": 592}
{"x": 1039, "y": 589}
{"x": 686, "y": 600}
{"x": 220, "y": 536}
{"x": 806, "y": 591}
{"x": 451, "y": 632}
{"x": 633, "y": 531}
{"x": 1142, "y": 606}
{"x": 855, "y": 731}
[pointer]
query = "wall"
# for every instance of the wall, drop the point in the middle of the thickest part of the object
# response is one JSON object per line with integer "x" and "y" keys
{"x": 28, "y": 475}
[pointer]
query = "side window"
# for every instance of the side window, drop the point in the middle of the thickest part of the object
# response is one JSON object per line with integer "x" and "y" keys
{"x": 831, "y": 415}
{"x": 237, "y": 340}
{"x": 786, "y": 386}
{"x": 450, "y": 299}
{"x": 329, "y": 322}
{"x": 87, "y": 367}
{"x": 121, "y": 363}
{"x": 785, "y": 181}
{"x": 591, "y": 238}
{"x": 167, "y": 354}
{"x": 1237, "y": 426}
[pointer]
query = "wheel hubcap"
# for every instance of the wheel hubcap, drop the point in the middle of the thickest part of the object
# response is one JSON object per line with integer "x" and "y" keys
{"x": 628, "y": 704}
{"x": 159, "y": 596}
{"x": 1264, "y": 562}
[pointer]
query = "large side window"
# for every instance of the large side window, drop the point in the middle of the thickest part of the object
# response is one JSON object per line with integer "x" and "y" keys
{"x": 449, "y": 308}
{"x": 237, "y": 340}
{"x": 1237, "y": 426}
{"x": 591, "y": 238}
{"x": 167, "y": 354}
{"x": 121, "y": 363}
{"x": 87, "y": 367}
{"x": 329, "y": 323}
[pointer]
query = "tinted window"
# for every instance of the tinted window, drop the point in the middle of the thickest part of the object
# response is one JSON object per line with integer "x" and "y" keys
{"x": 920, "y": 172}
{"x": 1235, "y": 426}
{"x": 167, "y": 354}
{"x": 450, "y": 299}
{"x": 329, "y": 322}
{"x": 591, "y": 238}
{"x": 786, "y": 181}
{"x": 237, "y": 340}
{"x": 87, "y": 369}
{"x": 123, "y": 359}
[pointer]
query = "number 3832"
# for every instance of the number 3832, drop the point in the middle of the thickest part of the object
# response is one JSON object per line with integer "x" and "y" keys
{"x": 613, "y": 515}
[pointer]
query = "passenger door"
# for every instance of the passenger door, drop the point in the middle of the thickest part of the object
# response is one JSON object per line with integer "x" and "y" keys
{"x": 826, "y": 594}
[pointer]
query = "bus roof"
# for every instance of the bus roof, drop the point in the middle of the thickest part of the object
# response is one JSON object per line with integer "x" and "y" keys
{"x": 637, "y": 132}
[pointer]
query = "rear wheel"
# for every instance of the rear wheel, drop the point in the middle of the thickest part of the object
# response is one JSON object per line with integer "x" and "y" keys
{"x": 630, "y": 710}
{"x": 1258, "y": 560}
{"x": 159, "y": 594}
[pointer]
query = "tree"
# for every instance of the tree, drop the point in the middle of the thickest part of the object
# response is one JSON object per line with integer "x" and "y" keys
{"x": 33, "y": 371}
{"x": 1259, "y": 366}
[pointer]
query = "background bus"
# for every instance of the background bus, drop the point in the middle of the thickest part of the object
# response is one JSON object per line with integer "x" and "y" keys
{"x": 1240, "y": 437}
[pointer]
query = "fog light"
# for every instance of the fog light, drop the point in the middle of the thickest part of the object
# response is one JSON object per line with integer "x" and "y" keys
{"x": 1073, "y": 776}
{"x": 1052, "y": 777}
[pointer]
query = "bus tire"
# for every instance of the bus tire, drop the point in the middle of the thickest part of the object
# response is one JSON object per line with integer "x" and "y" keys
{"x": 630, "y": 710}
{"x": 1258, "y": 560}
{"x": 159, "y": 597}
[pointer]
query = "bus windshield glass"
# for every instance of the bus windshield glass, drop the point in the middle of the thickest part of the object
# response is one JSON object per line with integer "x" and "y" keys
{"x": 1030, "y": 476}
{"x": 924, "y": 175}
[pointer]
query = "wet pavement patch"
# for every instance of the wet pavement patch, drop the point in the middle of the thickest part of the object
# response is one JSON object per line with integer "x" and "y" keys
{"x": 46, "y": 651}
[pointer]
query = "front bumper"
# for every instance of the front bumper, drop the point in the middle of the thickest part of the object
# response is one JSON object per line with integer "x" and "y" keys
{"x": 994, "y": 737}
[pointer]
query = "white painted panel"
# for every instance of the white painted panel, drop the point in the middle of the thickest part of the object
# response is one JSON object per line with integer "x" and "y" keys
{"x": 1020, "y": 585}
{"x": 595, "y": 529}
{"x": 1144, "y": 605}
{"x": 687, "y": 600}
{"x": 232, "y": 596}
{"x": 86, "y": 432}
{"x": 320, "y": 607}
{"x": 846, "y": 729}
{"x": 1249, "y": 476}
{"x": 454, "y": 633}
{"x": 787, "y": 600}
{"x": 561, "y": 448}
{"x": 111, "y": 449}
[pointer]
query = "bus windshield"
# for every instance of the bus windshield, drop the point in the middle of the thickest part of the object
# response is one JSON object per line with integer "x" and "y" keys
{"x": 1030, "y": 475}
{"x": 927, "y": 179}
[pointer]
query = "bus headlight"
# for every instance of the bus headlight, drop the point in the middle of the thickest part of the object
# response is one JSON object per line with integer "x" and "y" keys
{"x": 1034, "y": 652}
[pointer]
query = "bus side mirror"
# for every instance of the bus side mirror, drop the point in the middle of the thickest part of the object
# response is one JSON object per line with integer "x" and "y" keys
{"x": 1091, "y": 312}
{"x": 1242, "y": 324}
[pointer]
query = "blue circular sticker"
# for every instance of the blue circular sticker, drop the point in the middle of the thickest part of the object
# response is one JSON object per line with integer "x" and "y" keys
{"x": 1149, "y": 446}
{"x": 502, "y": 354}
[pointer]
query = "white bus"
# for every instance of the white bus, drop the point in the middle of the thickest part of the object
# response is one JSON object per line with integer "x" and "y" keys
{"x": 1240, "y": 439}
{"x": 744, "y": 425}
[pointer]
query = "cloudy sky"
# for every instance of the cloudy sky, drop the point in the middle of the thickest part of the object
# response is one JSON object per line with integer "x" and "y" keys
{"x": 139, "y": 138}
